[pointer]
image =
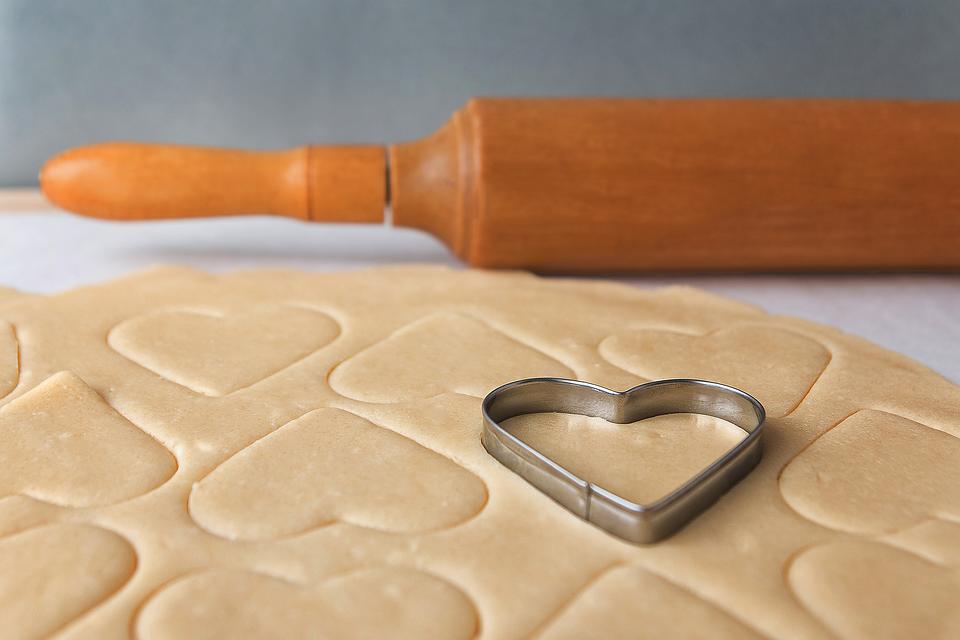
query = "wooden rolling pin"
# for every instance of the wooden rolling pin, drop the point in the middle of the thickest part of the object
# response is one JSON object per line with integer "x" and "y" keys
{"x": 588, "y": 185}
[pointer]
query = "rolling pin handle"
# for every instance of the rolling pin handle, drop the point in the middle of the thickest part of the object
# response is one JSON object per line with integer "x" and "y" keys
{"x": 133, "y": 181}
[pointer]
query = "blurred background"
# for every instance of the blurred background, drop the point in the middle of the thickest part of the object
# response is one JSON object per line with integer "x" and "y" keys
{"x": 271, "y": 74}
{"x": 281, "y": 73}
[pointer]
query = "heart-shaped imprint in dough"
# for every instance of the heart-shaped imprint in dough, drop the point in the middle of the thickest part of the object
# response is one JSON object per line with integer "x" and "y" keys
{"x": 9, "y": 358}
{"x": 218, "y": 353}
{"x": 776, "y": 366}
{"x": 640, "y": 461}
{"x": 53, "y": 574}
{"x": 62, "y": 444}
{"x": 865, "y": 589}
{"x": 426, "y": 359}
{"x": 629, "y": 602}
{"x": 333, "y": 466}
{"x": 374, "y": 603}
{"x": 875, "y": 472}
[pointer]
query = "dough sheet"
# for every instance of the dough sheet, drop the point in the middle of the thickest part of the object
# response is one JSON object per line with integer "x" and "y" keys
{"x": 281, "y": 454}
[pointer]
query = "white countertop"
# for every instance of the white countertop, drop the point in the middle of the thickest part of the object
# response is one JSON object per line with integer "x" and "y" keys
{"x": 49, "y": 251}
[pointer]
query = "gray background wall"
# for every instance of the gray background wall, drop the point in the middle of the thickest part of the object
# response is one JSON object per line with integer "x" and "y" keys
{"x": 272, "y": 74}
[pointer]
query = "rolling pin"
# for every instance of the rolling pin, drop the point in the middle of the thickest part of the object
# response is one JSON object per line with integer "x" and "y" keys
{"x": 591, "y": 185}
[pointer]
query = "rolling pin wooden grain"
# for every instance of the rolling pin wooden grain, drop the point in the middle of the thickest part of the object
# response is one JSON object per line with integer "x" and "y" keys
{"x": 592, "y": 185}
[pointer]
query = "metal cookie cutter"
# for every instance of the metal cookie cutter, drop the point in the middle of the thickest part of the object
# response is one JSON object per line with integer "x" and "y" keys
{"x": 631, "y": 521}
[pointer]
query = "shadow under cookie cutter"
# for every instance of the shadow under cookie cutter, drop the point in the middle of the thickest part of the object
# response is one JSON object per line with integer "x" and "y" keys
{"x": 638, "y": 523}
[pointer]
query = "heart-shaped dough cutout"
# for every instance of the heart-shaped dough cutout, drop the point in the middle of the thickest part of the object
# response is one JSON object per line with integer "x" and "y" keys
{"x": 61, "y": 443}
{"x": 875, "y": 472}
{"x": 9, "y": 359}
{"x": 777, "y": 366}
{"x": 425, "y": 359}
{"x": 333, "y": 466}
{"x": 219, "y": 353}
{"x": 374, "y": 603}
{"x": 865, "y": 589}
{"x": 628, "y": 602}
{"x": 51, "y": 575}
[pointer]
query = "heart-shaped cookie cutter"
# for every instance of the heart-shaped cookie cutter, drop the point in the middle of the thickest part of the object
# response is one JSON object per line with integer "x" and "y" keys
{"x": 639, "y": 523}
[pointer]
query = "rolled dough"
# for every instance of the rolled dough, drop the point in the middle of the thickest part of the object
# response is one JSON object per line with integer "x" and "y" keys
{"x": 284, "y": 454}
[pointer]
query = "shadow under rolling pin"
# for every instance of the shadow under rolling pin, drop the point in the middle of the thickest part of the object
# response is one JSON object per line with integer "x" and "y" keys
{"x": 592, "y": 185}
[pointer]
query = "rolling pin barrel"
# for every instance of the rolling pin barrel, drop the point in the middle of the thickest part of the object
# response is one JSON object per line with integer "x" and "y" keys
{"x": 594, "y": 185}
